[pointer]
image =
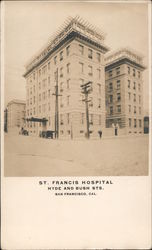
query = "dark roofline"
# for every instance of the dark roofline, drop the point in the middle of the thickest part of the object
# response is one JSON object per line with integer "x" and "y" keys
{"x": 122, "y": 61}
{"x": 69, "y": 37}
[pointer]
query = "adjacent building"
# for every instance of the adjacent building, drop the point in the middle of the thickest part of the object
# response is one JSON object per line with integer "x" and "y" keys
{"x": 15, "y": 115}
{"x": 54, "y": 77}
{"x": 124, "y": 91}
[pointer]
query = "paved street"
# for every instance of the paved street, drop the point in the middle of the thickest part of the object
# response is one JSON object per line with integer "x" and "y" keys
{"x": 32, "y": 156}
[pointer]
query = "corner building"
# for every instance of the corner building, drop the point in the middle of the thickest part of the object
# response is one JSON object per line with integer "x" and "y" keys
{"x": 124, "y": 91}
{"x": 77, "y": 54}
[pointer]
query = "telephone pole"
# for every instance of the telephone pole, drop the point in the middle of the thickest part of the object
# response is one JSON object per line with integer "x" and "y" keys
{"x": 86, "y": 90}
{"x": 56, "y": 106}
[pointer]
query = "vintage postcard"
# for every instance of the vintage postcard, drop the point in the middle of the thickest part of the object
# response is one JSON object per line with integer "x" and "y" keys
{"x": 75, "y": 112}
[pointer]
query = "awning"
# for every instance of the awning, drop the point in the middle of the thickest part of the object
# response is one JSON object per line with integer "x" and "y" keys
{"x": 34, "y": 119}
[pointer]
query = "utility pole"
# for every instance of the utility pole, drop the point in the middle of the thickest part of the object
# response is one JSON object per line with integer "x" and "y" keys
{"x": 56, "y": 106}
{"x": 86, "y": 90}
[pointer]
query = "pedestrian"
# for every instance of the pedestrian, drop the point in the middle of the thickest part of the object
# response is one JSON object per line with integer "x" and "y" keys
{"x": 100, "y": 133}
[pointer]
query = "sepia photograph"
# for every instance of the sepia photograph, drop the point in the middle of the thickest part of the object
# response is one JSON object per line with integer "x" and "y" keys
{"x": 75, "y": 125}
{"x": 76, "y": 89}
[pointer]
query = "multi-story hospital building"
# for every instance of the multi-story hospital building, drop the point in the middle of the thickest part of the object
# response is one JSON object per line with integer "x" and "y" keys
{"x": 124, "y": 91}
{"x": 73, "y": 57}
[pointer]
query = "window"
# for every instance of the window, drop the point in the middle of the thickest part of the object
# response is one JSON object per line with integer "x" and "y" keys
{"x": 68, "y": 68}
{"x": 49, "y": 107}
{"x": 55, "y": 60}
{"x": 128, "y": 70}
{"x": 99, "y": 103}
{"x": 61, "y": 72}
{"x": 68, "y": 50}
{"x": 30, "y": 100}
{"x": 90, "y": 71}
{"x": 119, "y": 108}
{"x": 91, "y": 102}
{"x": 44, "y": 69}
{"x": 48, "y": 65}
{"x": 61, "y": 87}
{"x": 134, "y": 85}
{"x": 129, "y": 95}
{"x": 90, "y": 53}
{"x": 81, "y": 67}
{"x": 44, "y": 107}
{"x": 139, "y": 123}
{"x": 110, "y": 73}
{"x": 134, "y": 72}
{"x": 61, "y": 55}
{"x": 43, "y": 95}
{"x": 61, "y": 119}
{"x": 111, "y": 110}
{"x": 118, "y": 97}
{"x": 111, "y": 98}
{"x": 99, "y": 88}
{"x": 91, "y": 119}
{"x": 99, "y": 73}
{"x": 134, "y": 97}
{"x": 129, "y": 108}
{"x": 129, "y": 84}
{"x": 39, "y": 85}
{"x": 118, "y": 84}
{"x": 49, "y": 80}
{"x": 98, "y": 57}
{"x": 68, "y": 118}
{"x": 44, "y": 84}
{"x": 138, "y": 74}
{"x": 139, "y": 87}
{"x": 99, "y": 119}
{"x": 118, "y": 70}
{"x": 68, "y": 100}
{"x": 129, "y": 122}
{"x": 61, "y": 102}
{"x": 110, "y": 86}
{"x": 39, "y": 72}
{"x": 135, "y": 125}
{"x": 139, "y": 99}
{"x": 49, "y": 93}
{"x": 49, "y": 120}
{"x": 82, "y": 118}
{"x": 140, "y": 110}
{"x": 134, "y": 109}
{"x": 68, "y": 83}
{"x": 81, "y": 49}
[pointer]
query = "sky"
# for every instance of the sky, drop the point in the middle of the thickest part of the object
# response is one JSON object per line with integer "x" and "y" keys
{"x": 29, "y": 25}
